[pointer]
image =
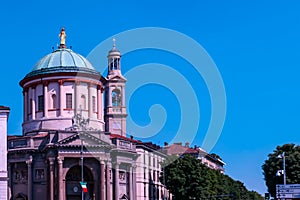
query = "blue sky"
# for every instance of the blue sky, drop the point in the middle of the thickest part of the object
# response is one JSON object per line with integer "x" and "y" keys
{"x": 255, "y": 45}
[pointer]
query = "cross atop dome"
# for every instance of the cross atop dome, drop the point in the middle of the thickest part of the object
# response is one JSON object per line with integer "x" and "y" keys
{"x": 62, "y": 35}
{"x": 114, "y": 42}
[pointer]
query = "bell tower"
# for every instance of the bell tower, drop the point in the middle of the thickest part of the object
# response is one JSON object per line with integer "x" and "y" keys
{"x": 115, "y": 107}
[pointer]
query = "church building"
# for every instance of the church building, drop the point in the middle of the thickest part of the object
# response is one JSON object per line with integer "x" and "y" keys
{"x": 73, "y": 144}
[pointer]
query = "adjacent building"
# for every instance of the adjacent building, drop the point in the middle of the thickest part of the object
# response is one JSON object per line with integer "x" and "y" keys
{"x": 212, "y": 161}
{"x": 4, "y": 112}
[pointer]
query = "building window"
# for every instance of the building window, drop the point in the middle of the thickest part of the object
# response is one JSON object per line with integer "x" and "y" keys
{"x": 94, "y": 103}
{"x": 149, "y": 174}
{"x": 116, "y": 97}
{"x": 53, "y": 100}
{"x": 158, "y": 175}
{"x": 153, "y": 161}
{"x": 41, "y": 103}
{"x": 68, "y": 101}
{"x": 83, "y": 102}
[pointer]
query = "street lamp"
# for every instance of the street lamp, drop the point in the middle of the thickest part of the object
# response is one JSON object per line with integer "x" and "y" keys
{"x": 283, "y": 166}
{"x": 82, "y": 193}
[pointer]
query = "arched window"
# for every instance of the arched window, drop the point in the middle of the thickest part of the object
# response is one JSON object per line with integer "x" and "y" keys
{"x": 111, "y": 63}
{"x": 94, "y": 103}
{"x": 116, "y": 97}
{"x": 53, "y": 100}
{"x": 41, "y": 103}
{"x": 83, "y": 102}
{"x": 116, "y": 63}
{"x": 69, "y": 100}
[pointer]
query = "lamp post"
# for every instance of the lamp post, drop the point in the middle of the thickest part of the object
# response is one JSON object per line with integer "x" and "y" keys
{"x": 283, "y": 163}
{"x": 82, "y": 194}
{"x": 283, "y": 166}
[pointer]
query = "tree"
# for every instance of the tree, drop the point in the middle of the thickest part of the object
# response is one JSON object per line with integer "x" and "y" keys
{"x": 187, "y": 178}
{"x": 274, "y": 163}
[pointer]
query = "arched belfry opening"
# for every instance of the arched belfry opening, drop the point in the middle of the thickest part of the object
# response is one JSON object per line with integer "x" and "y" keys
{"x": 116, "y": 98}
{"x": 73, "y": 178}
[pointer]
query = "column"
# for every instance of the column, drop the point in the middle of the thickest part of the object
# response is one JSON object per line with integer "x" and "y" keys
{"x": 99, "y": 103}
{"x": 102, "y": 180}
{"x": 61, "y": 83}
{"x": 46, "y": 99}
{"x": 116, "y": 181}
{"x": 109, "y": 96}
{"x": 108, "y": 186}
{"x": 51, "y": 163}
{"x": 25, "y": 104}
{"x": 33, "y": 102}
{"x": 130, "y": 183}
{"x": 123, "y": 96}
{"x": 29, "y": 177}
{"x": 60, "y": 179}
{"x": 134, "y": 182}
{"x": 90, "y": 100}
{"x": 76, "y": 96}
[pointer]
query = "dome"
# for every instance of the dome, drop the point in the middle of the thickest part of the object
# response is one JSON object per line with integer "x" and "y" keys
{"x": 114, "y": 52}
{"x": 62, "y": 60}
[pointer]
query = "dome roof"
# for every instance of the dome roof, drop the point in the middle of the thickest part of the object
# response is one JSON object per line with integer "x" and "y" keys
{"x": 62, "y": 60}
{"x": 114, "y": 52}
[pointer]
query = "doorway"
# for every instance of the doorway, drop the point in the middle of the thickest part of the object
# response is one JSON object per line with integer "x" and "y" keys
{"x": 73, "y": 188}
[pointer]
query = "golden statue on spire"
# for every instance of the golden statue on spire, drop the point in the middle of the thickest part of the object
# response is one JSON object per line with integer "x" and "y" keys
{"x": 62, "y": 35}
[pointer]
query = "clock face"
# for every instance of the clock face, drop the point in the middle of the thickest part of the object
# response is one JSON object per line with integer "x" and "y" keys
{"x": 75, "y": 189}
{"x": 117, "y": 125}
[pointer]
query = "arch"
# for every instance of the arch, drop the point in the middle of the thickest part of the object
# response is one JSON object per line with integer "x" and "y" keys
{"x": 20, "y": 196}
{"x": 73, "y": 178}
{"x": 116, "y": 97}
{"x": 83, "y": 102}
{"x": 53, "y": 97}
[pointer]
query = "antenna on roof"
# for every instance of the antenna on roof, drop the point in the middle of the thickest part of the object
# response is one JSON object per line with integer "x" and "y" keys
{"x": 70, "y": 47}
{"x": 52, "y": 49}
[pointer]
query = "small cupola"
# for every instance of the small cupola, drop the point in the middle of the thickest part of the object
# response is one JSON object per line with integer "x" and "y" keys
{"x": 114, "y": 56}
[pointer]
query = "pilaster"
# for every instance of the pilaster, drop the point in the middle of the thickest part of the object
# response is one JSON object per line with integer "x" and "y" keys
{"x": 60, "y": 179}
{"x": 108, "y": 185}
{"x": 51, "y": 168}
{"x": 116, "y": 181}
{"x": 29, "y": 177}
{"x": 61, "y": 83}
{"x": 46, "y": 99}
{"x": 102, "y": 180}
{"x": 33, "y": 103}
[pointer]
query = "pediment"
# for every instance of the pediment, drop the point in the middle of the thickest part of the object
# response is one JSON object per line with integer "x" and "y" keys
{"x": 87, "y": 139}
{"x": 116, "y": 77}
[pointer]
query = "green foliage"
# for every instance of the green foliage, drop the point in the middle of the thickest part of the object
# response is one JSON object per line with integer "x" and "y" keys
{"x": 273, "y": 164}
{"x": 187, "y": 178}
